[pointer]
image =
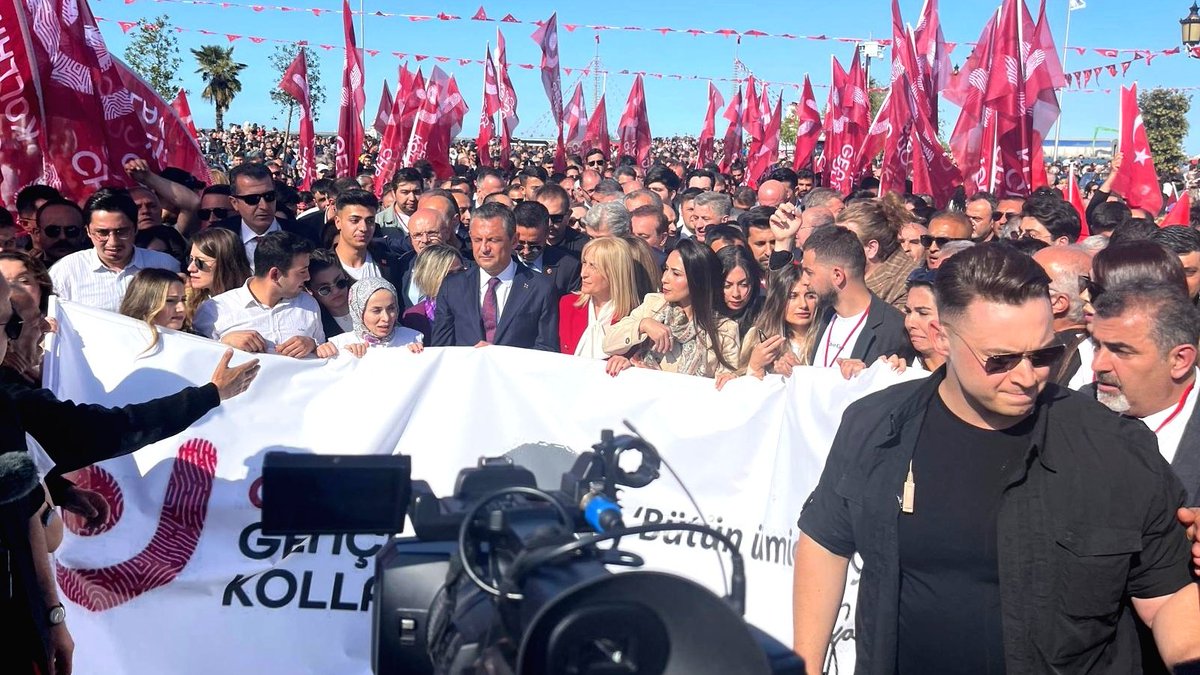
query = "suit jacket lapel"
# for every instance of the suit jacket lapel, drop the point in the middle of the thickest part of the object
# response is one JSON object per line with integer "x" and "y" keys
{"x": 1186, "y": 462}
{"x": 875, "y": 318}
{"x": 518, "y": 295}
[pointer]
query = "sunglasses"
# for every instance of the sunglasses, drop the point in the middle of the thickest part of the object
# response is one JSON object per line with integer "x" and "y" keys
{"x": 995, "y": 364}
{"x": 200, "y": 263}
{"x": 12, "y": 329}
{"x": 252, "y": 200}
{"x": 1004, "y": 215}
{"x": 1092, "y": 288}
{"x": 928, "y": 239}
{"x": 528, "y": 245}
{"x": 207, "y": 214}
{"x": 56, "y": 231}
{"x": 341, "y": 284}
{"x": 599, "y": 163}
{"x": 559, "y": 218}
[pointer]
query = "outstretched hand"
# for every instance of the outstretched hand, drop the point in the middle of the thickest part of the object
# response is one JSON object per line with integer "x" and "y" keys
{"x": 233, "y": 381}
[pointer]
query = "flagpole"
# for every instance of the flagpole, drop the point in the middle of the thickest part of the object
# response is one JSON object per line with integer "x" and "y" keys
{"x": 362, "y": 33}
{"x": 1066, "y": 41}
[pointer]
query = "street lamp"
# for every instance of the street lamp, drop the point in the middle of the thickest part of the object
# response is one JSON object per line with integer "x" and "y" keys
{"x": 1190, "y": 27}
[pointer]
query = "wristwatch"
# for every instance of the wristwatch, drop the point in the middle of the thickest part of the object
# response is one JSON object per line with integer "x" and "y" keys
{"x": 56, "y": 615}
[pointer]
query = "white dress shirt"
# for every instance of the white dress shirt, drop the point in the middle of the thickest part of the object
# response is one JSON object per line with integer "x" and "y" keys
{"x": 250, "y": 239}
{"x": 81, "y": 277}
{"x": 238, "y": 309}
{"x": 1084, "y": 376}
{"x": 1169, "y": 424}
{"x": 502, "y": 291}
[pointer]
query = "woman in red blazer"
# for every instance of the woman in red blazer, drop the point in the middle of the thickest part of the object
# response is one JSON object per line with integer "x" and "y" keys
{"x": 608, "y": 293}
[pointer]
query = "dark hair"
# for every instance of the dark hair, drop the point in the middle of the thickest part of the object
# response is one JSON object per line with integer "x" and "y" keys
{"x": 356, "y": 197}
{"x": 320, "y": 260}
{"x": 532, "y": 214}
{"x": 755, "y": 217}
{"x": 988, "y": 272}
{"x": 661, "y": 174}
{"x": 111, "y": 200}
{"x": 6, "y": 218}
{"x": 733, "y": 257}
{"x": 278, "y": 250}
{"x": 1133, "y": 229}
{"x": 323, "y": 185}
{"x": 1058, "y": 217}
{"x": 625, "y": 170}
{"x": 1174, "y": 319}
{"x": 1107, "y": 216}
{"x": 32, "y": 194}
{"x": 700, "y": 173}
{"x": 406, "y": 175}
{"x": 985, "y": 196}
{"x": 653, "y": 211}
{"x": 533, "y": 171}
{"x": 345, "y": 183}
{"x": 217, "y": 189}
{"x": 1137, "y": 261}
{"x": 491, "y": 210}
{"x": 60, "y": 202}
{"x": 784, "y": 175}
{"x": 727, "y": 233}
{"x": 806, "y": 174}
{"x": 251, "y": 170}
{"x": 177, "y": 246}
{"x": 37, "y": 269}
{"x": 1179, "y": 239}
{"x": 553, "y": 191}
{"x": 838, "y": 246}
{"x": 705, "y": 286}
{"x": 1025, "y": 245}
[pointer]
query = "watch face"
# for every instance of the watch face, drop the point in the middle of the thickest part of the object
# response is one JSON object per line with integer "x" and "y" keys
{"x": 57, "y": 615}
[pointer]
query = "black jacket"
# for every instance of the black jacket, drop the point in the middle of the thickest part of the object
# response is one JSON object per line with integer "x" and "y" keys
{"x": 883, "y": 333}
{"x": 305, "y": 231}
{"x": 562, "y": 268}
{"x": 529, "y": 318}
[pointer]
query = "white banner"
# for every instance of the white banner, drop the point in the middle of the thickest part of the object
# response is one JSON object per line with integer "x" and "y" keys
{"x": 182, "y": 581}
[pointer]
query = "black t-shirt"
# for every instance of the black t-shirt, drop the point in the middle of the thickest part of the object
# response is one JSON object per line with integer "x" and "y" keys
{"x": 949, "y": 572}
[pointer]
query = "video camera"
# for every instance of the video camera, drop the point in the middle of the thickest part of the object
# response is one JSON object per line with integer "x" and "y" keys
{"x": 504, "y": 577}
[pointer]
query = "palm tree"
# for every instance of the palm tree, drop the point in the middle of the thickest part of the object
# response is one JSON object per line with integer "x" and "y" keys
{"x": 220, "y": 73}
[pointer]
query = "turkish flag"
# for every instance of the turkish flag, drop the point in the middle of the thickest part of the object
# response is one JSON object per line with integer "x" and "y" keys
{"x": 295, "y": 84}
{"x": 384, "y": 112}
{"x": 1181, "y": 213}
{"x": 634, "y": 128}
{"x": 733, "y": 133}
{"x": 706, "y": 149}
{"x": 597, "y": 131}
{"x": 575, "y": 119}
{"x": 181, "y": 108}
{"x": 808, "y": 126}
{"x": 354, "y": 99}
{"x": 1136, "y": 180}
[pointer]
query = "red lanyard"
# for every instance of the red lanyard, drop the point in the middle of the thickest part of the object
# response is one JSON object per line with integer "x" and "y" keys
{"x": 1178, "y": 408}
{"x": 829, "y": 336}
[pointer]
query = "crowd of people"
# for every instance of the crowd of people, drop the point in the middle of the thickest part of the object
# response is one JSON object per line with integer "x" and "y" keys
{"x": 692, "y": 271}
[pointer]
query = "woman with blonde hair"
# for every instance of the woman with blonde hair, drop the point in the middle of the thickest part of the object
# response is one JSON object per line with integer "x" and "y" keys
{"x": 877, "y": 223}
{"x": 433, "y": 265}
{"x": 608, "y": 293}
{"x": 156, "y": 296}
{"x": 217, "y": 263}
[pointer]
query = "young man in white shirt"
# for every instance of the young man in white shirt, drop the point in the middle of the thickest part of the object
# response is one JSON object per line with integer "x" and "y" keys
{"x": 98, "y": 276}
{"x": 271, "y": 313}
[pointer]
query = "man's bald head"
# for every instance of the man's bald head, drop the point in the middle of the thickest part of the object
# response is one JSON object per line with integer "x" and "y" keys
{"x": 439, "y": 200}
{"x": 427, "y": 227}
{"x": 772, "y": 193}
{"x": 1064, "y": 265}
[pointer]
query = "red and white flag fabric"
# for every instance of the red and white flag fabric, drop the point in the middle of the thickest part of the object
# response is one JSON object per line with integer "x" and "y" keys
{"x": 547, "y": 38}
{"x": 354, "y": 99}
{"x": 634, "y": 128}
{"x": 385, "y": 110}
{"x": 1043, "y": 77}
{"x": 765, "y": 151}
{"x": 508, "y": 101}
{"x": 23, "y": 133}
{"x": 405, "y": 103}
{"x": 295, "y": 84}
{"x": 597, "y": 131}
{"x": 851, "y": 121}
{"x": 706, "y": 147}
{"x": 1181, "y": 213}
{"x": 575, "y": 119}
{"x": 1075, "y": 199}
{"x": 1136, "y": 180}
{"x": 487, "y": 111}
{"x": 973, "y": 141}
{"x": 933, "y": 57}
{"x": 733, "y": 133}
{"x": 180, "y": 105}
{"x": 437, "y": 121}
{"x": 169, "y": 141}
{"x": 808, "y": 127}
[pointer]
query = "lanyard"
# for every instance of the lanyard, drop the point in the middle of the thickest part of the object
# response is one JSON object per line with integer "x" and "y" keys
{"x": 1178, "y": 408}
{"x": 829, "y": 337}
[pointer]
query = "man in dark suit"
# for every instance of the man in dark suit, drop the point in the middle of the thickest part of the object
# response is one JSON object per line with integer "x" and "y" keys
{"x": 324, "y": 193}
{"x": 533, "y": 222}
{"x": 561, "y": 236}
{"x": 858, "y": 325}
{"x": 496, "y": 300}
{"x": 253, "y": 197}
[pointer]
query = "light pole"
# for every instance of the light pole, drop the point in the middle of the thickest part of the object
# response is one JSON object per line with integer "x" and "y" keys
{"x": 1190, "y": 28}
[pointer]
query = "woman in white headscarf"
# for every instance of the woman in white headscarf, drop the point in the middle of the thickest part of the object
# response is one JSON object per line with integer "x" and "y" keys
{"x": 375, "y": 310}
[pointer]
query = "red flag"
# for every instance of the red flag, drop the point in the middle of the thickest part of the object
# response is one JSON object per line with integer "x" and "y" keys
{"x": 547, "y": 38}
{"x": 973, "y": 138}
{"x": 850, "y": 125}
{"x": 1181, "y": 213}
{"x": 705, "y": 147}
{"x": 170, "y": 141}
{"x": 733, "y": 133}
{"x": 933, "y": 57}
{"x": 437, "y": 121}
{"x": 508, "y": 101}
{"x": 184, "y": 111}
{"x": 384, "y": 112}
{"x": 765, "y": 151}
{"x": 752, "y": 122}
{"x": 487, "y": 112}
{"x": 1043, "y": 77}
{"x": 23, "y": 138}
{"x": 395, "y": 135}
{"x": 1136, "y": 180}
{"x": 576, "y": 121}
{"x": 295, "y": 84}
{"x": 354, "y": 99}
{"x": 808, "y": 127}
{"x": 634, "y": 127}
{"x": 597, "y": 131}
{"x": 1075, "y": 199}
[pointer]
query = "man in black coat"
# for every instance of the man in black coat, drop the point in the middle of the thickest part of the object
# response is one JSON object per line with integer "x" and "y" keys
{"x": 533, "y": 222}
{"x": 253, "y": 197}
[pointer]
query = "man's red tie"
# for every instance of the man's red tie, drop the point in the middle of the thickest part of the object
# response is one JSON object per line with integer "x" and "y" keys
{"x": 490, "y": 310}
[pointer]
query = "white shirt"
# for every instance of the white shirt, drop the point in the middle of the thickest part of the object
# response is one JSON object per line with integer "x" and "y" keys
{"x": 838, "y": 339}
{"x": 238, "y": 309}
{"x": 346, "y": 323}
{"x": 402, "y": 336}
{"x": 502, "y": 291}
{"x": 81, "y": 277}
{"x": 412, "y": 292}
{"x": 250, "y": 239}
{"x": 368, "y": 270}
{"x": 1084, "y": 376}
{"x": 591, "y": 343}
{"x": 538, "y": 265}
{"x": 1171, "y": 432}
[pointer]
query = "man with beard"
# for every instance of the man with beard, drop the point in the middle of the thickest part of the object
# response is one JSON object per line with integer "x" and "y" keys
{"x": 58, "y": 231}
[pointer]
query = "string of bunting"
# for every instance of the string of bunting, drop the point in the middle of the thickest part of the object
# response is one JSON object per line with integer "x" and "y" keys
{"x": 481, "y": 15}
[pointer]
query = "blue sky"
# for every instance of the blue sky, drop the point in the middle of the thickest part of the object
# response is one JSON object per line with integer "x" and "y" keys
{"x": 674, "y": 106}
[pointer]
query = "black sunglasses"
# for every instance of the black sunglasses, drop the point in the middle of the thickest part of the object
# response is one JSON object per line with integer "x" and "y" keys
{"x": 599, "y": 163}
{"x": 252, "y": 200}
{"x": 928, "y": 239}
{"x": 997, "y": 215}
{"x": 1038, "y": 358}
{"x": 1092, "y": 288}
{"x": 206, "y": 214}
{"x": 559, "y": 218}
{"x": 12, "y": 329}
{"x": 341, "y": 284}
{"x": 55, "y": 231}
{"x": 200, "y": 263}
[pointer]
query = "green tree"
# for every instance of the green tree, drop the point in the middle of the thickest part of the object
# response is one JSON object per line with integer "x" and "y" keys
{"x": 1164, "y": 112}
{"x": 220, "y": 73}
{"x": 787, "y": 129}
{"x": 280, "y": 60}
{"x": 153, "y": 53}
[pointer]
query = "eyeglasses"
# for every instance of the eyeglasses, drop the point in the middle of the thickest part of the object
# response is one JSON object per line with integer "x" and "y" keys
{"x": 341, "y": 284}
{"x": 119, "y": 233}
{"x": 1004, "y": 215}
{"x": 252, "y": 200}
{"x": 596, "y": 163}
{"x": 995, "y": 364}
{"x": 12, "y": 329}
{"x": 206, "y": 214}
{"x": 1093, "y": 289}
{"x": 56, "y": 231}
{"x": 529, "y": 245}
{"x": 559, "y": 218}
{"x": 200, "y": 263}
{"x": 928, "y": 240}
